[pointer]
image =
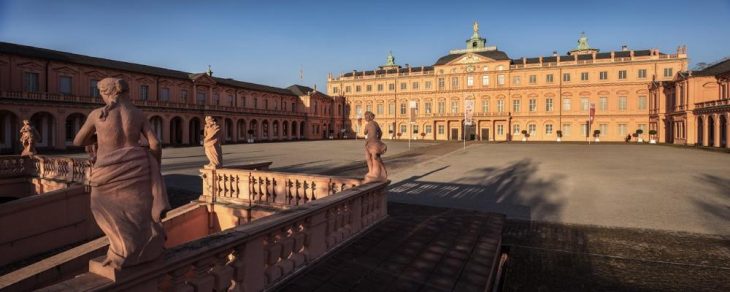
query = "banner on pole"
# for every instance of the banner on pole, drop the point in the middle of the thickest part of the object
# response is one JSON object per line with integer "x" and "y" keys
{"x": 413, "y": 108}
{"x": 592, "y": 113}
{"x": 468, "y": 112}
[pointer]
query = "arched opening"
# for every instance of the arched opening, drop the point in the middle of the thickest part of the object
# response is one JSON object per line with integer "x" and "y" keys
{"x": 156, "y": 125}
{"x": 711, "y": 131}
{"x": 700, "y": 131}
{"x": 195, "y": 131}
{"x": 253, "y": 130}
{"x": 241, "y": 129}
{"x": 285, "y": 129}
{"x": 301, "y": 130}
{"x": 723, "y": 131}
{"x": 265, "y": 129}
{"x": 294, "y": 129}
{"x": 229, "y": 130}
{"x": 9, "y": 132}
{"x": 176, "y": 131}
{"x": 275, "y": 127}
{"x": 44, "y": 123}
{"x": 73, "y": 125}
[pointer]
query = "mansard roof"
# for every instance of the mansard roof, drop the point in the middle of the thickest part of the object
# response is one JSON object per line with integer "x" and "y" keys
{"x": 715, "y": 69}
{"x": 58, "y": 56}
{"x": 389, "y": 71}
{"x": 493, "y": 54}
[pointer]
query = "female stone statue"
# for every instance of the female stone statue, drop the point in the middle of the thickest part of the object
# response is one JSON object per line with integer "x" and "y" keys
{"x": 28, "y": 137}
{"x": 128, "y": 196}
{"x": 374, "y": 148}
{"x": 212, "y": 143}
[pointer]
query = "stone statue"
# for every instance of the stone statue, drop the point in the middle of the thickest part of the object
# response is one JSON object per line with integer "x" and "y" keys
{"x": 28, "y": 137}
{"x": 390, "y": 61}
{"x": 476, "y": 27}
{"x": 128, "y": 196}
{"x": 374, "y": 148}
{"x": 212, "y": 143}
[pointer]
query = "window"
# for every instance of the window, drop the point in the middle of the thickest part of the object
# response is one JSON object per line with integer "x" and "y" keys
{"x": 184, "y": 97}
{"x": 533, "y": 79}
{"x": 533, "y": 105}
{"x": 144, "y": 92}
{"x": 414, "y": 129}
{"x": 403, "y": 129}
{"x": 454, "y": 106}
{"x": 442, "y": 107}
{"x": 402, "y": 108}
{"x": 427, "y": 85}
{"x": 380, "y": 108}
{"x": 230, "y": 99}
{"x": 485, "y": 69}
{"x": 667, "y": 72}
{"x": 500, "y": 79}
{"x": 358, "y": 111}
{"x": 500, "y": 68}
{"x": 500, "y": 130}
{"x": 266, "y": 104}
{"x": 566, "y": 104}
{"x": 414, "y": 85}
{"x": 500, "y": 105}
{"x": 603, "y": 128}
{"x": 427, "y": 107}
{"x": 441, "y": 83}
{"x": 64, "y": 84}
{"x": 391, "y": 108}
{"x": 358, "y": 88}
{"x": 622, "y": 103}
{"x": 642, "y": 127}
{"x": 200, "y": 99}
{"x": 516, "y": 129}
{"x": 603, "y": 75}
{"x": 427, "y": 129}
{"x": 403, "y": 86}
{"x": 516, "y": 105}
{"x": 642, "y": 102}
{"x": 622, "y": 130}
{"x": 532, "y": 129}
{"x": 30, "y": 81}
{"x": 470, "y": 81}
{"x": 380, "y": 87}
{"x": 165, "y": 94}
{"x": 348, "y": 88}
{"x": 548, "y": 104}
{"x": 566, "y": 129}
{"x": 566, "y": 77}
{"x": 584, "y": 130}
{"x": 584, "y": 104}
{"x": 485, "y": 105}
{"x": 584, "y": 76}
{"x": 335, "y": 89}
{"x": 603, "y": 103}
{"x": 548, "y": 129}
{"x": 642, "y": 73}
{"x": 485, "y": 80}
{"x": 454, "y": 82}
{"x": 549, "y": 78}
{"x": 622, "y": 74}
{"x": 391, "y": 86}
{"x": 368, "y": 88}
{"x": 441, "y": 129}
{"x": 516, "y": 80}
{"x": 93, "y": 88}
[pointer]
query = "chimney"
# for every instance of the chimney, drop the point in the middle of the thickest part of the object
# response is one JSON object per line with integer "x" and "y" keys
{"x": 555, "y": 53}
{"x": 624, "y": 48}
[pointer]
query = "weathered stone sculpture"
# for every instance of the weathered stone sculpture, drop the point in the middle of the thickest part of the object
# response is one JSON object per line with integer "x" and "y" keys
{"x": 212, "y": 143}
{"x": 374, "y": 148}
{"x": 128, "y": 196}
{"x": 28, "y": 137}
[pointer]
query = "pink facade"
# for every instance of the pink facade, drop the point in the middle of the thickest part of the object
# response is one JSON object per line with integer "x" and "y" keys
{"x": 57, "y": 90}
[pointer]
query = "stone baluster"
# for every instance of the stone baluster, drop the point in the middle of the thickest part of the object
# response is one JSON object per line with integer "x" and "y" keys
{"x": 179, "y": 282}
{"x": 222, "y": 272}
{"x": 203, "y": 280}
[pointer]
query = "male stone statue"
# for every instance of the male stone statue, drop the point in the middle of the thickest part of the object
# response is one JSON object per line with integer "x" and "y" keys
{"x": 374, "y": 148}
{"x": 128, "y": 196}
{"x": 212, "y": 143}
{"x": 28, "y": 137}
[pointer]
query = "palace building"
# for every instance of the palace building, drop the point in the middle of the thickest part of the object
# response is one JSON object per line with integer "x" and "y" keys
{"x": 57, "y": 90}
{"x": 540, "y": 95}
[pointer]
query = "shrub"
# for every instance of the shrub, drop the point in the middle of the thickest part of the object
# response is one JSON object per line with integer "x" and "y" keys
{"x": 524, "y": 132}
{"x": 639, "y": 132}
{"x": 250, "y": 132}
{"x": 652, "y": 132}
{"x": 596, "y": 133}
{"x": 560, "y": 133}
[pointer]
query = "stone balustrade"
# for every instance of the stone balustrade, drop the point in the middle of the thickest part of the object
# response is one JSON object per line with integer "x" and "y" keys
{"x": 255, "y": 256}
{"x": 60, "y": 169}
{"x": 13, "y": 166}
{"x": 268, "y": 187}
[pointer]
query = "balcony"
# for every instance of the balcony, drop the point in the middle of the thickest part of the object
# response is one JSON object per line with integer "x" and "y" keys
{"x": 713, "y": 103}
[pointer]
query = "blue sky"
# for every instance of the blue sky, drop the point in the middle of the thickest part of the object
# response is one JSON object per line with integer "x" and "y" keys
{"x": 268, "y": 41}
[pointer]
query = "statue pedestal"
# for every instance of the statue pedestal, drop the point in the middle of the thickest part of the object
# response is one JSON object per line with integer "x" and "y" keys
{"x": 97, "y": 267}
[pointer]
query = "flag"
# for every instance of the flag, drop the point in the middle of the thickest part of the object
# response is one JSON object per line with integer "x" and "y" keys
{"x": 468, "y": 112}
{"x": 413, "y": 108}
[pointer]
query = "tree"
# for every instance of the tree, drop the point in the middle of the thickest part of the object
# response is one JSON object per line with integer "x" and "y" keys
{"x": 596, "y": 133}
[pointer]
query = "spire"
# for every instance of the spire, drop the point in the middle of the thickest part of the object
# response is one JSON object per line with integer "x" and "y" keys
{"x": 476, "y": 42}
{"x": 390, "y": 61}
{"x": 582, "y": 47}
{"x": 210, "y": 71}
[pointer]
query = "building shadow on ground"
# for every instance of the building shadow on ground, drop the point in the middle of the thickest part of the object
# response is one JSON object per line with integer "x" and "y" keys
{"x": 718, "y": 211}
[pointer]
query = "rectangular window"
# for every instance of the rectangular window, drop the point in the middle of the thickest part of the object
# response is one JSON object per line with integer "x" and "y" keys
{"x": 93, "y": 88}
{"x": 335, "y": 89}
{"x": 403, "y": 86}
{"x": 532, "y": 129}
{"x": 515, "y": 129}
{"x": 516, "y": 80}
{"x": 184, "y": 97}
{"x": 533, "y": 79}
{"x": 454, "y": 107}
{"x": 642, "y": 127}
{"x": 427, "y": 129}
{"x": 165, "y": 94}
{"x": 642, "y": 102}
{"x": 369, "y": 88}
{"x": 584, "y": 104}
{"x": 500, "y": 130}
{"x": 667, "y": 72}
{"x": 533, "y": 105}
{"x": 391, "y": 109}
{"x": 548, "y": 104}
{"x": 622, "y": 103}
{"x": 516, "y": 105}
{"x": 414, "y": 85}
{"x": 584, "y": 130}
{"x": 358, "y": 111}
{"x": 500, "y": 79}
{"x": 603, "y": 103}
{"x": 584, "y": 76}
{"x": 622, "y": 130}
{"x": 30, "y": 82}
{"x": 64, "y": 85}
{"x": 442, "y": 107}
{"x": 427, "y": 107}
{"x": 603, "y": 75}
{"x": 454, "y": 82}
{"x": 485, "y": 80}
{"x": 566, "y": 77}
{"x": 642, "y": 73}
{"x": 441, "y": 129}
{"x": 485, "y": 105}
{"x": 403, "y": 129}
{"x": 380, "y": 87}
{"x": 441, "y": 83}
{"x": 402, "y": 108}
{"x": 549, "y": 78}
{"x": 380, "y": 108}
{"x": 500, "y": 105}
{"x": 414, "y": 129}
{"x": 358, "y": 88}
{"x": 144, "y": 92}
{"x": 230, "y": 99}
{"x": 348, "y": 88}
{"x": 622, "y": 74}
{"x": 548, "y": 129}
{"x": 470, "y": 81}
{"x": 566, "y": 104}
{"x": 427, "y": 85}
{"x": 566, "y": 130}
{"x": 604, "y": 129}
{"x": 391, "y": 86}
{"x": 200, "y": 99}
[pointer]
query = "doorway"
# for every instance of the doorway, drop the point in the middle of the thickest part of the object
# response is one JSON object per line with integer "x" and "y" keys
{"x": 454, "y": 134}
{"x": 485, "y": 134}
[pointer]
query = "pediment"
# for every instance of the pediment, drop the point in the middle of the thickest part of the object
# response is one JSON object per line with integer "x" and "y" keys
{"x": 471, "y": 59}
{"x": 202, "y": 79}
{"x": 31, "y": 66}
{"x": 95, "y": 74}
{"x": 65, "y": 70}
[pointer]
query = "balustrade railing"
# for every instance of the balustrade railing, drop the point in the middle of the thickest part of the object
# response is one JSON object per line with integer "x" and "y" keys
{"x": 13, "y": 166}
{"x": 63, "y": 169}
{"x": 712, "y": 103}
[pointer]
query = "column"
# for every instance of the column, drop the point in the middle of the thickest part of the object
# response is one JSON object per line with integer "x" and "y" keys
{"x": 60, "y": 133}
{"x": 234, "y": 131}
{"x": 727, "y": 130}
{"x": 185, "y": 125}
{"x": 165, "y": 131}
{"x": 705, "y": 131}
{"x": 716, "y": 140}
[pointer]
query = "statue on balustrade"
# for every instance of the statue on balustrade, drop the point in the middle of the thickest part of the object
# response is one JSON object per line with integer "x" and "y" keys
{"x": 128, "y": 196}
{"x": 374, "y": 148}
{"x": 28, "y": 137}
{"x": 212, "y": 143}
